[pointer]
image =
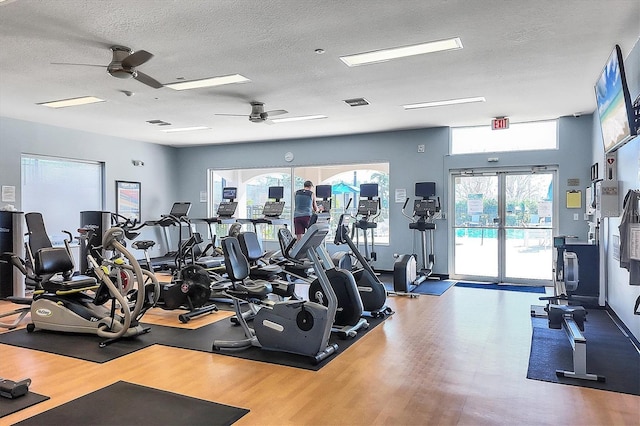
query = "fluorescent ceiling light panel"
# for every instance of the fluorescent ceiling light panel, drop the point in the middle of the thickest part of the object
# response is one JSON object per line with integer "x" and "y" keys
{"x": 301, "y": 118}
{"x": 385, "y": 55}
{"x": 72, "y": 102}
{"x": 185, "y": 129}
{"x": 208, "y": 82}
{"x": 446, "y": 102}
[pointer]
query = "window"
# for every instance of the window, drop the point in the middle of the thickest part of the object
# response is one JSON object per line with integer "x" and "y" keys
{"x": 344, "y": 179}
{"x": 345, "y": 190}
{"x": 252, "y": 187}
{"x": 60, "y": 189}
{"x": 518, "y": 137}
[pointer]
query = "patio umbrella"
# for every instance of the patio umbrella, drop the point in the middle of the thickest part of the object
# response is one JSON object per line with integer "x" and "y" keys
{"x": 343, "y": 188}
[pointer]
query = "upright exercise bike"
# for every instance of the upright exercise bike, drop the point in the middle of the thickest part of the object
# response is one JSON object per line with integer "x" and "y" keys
{"x": 406, "y": 275}
{"x": 190, "y": 287}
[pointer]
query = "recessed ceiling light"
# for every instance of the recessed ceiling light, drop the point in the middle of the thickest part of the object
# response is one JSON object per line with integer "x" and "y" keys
{"x": 446, "y": 102}
{"x": 385, "y": 55}
{"x": 185, "y": 129}
{"x": 72, "y": 102}
{"x": 356, "y": 102}
{"x": 300, "y": 118}
{"x": 158, "y": 122}
{"x": 208, "y": 82}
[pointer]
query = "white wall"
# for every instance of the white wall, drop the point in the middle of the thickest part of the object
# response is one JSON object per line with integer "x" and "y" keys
{"x": 620, "y": 296}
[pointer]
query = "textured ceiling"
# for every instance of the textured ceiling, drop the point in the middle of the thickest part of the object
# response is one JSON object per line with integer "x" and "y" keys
{"x": 531, "y": 60}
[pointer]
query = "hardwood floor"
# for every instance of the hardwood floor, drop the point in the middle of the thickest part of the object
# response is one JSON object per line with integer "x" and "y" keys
{"x": 460, "y": 358}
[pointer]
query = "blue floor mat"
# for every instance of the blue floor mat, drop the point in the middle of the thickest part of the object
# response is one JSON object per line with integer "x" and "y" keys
{"x": 434, "y": 288}
{"x": 507, "y": 287}
{"x": 429, "y": 287}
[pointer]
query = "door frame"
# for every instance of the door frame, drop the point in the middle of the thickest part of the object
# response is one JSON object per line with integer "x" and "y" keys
{"x": 501, "y": 230}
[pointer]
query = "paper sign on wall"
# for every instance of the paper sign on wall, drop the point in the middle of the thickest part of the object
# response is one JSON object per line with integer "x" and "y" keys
{"x": 475, "y": 204}
{"x": 8, "y": 194}
{"x": 574, "y": 199}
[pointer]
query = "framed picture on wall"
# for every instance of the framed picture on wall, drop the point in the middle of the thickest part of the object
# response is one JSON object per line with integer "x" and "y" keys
{"x": 128, "y": 199}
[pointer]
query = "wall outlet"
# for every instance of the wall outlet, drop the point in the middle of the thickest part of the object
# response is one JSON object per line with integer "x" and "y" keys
{"x": 576, "y": 216}
{"x": 421, "y": 148}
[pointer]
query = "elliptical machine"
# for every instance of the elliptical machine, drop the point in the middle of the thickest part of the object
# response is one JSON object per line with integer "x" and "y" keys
{"x": 372, "y": 292}
{"x": 368, "y": 212}
{"x": 406, "y": 275}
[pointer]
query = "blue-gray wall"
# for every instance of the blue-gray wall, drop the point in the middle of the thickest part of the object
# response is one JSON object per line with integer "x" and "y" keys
{"x": 406, "y": 166}
{"x": 157, "y": 177}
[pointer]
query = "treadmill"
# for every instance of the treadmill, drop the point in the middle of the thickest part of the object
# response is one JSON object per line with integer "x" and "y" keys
{"x": 224, "y": 214}
{"x": 271, "y": 211}
{"x": 166, "y": 262}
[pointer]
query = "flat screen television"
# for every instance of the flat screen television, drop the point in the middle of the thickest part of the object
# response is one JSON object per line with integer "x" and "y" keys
{"x": 276, "y": 192}
{"x": 614, "y": 104}
{"x": 368, "y": 190}
{"x": 425, "y": 189}
{"x": 323, "y": 192}
{"x": 229, "y": 193}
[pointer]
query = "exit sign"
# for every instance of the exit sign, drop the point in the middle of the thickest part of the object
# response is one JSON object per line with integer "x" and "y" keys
{"x": 500, "y": 123}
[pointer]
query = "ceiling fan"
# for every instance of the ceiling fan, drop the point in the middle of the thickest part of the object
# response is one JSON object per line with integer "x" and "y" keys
{"x": 124, "y": 63}
{"x": 258, "y": 114}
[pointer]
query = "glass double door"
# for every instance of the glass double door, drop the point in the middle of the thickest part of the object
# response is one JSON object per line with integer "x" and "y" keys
{"x": 503, "y": 226}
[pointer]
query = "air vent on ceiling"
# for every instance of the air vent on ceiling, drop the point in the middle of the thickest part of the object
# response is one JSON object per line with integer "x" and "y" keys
{"x": 159, "y": 122}
{"x": 356, "y": 102}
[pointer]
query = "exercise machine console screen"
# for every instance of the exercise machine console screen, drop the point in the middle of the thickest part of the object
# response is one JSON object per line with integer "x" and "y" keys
{"x": 229, "y": 193}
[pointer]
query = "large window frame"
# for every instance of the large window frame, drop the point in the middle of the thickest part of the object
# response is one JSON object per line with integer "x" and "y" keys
{"x": 61, "y": 188}
{"x": 252, "y": 184}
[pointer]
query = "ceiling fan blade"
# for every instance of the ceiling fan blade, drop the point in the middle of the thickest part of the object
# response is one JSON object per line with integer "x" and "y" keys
{"x": 233, "y": 115}
{"x": 138, "y": 57}
{"x": 277, "y": 112}
{"x": 149, "y": 81}
{"x": 84, "y": 65}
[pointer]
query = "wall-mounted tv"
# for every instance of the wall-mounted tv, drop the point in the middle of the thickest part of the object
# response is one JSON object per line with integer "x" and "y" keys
{"x": 368, "y": 190}
{"x": 323, "y": 192}
{"x": 425, "y": 189}
{"x": 229, "y": 193}
{"x": 276, "y": 192}
{"x": 614, "y": 104}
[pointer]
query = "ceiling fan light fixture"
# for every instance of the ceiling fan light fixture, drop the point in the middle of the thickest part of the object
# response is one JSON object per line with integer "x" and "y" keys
{"x": 444, "y": 102}
{"x": 185, "y": 129}
{"x": 299, "y": 118}
{"x": 63, "y": 103}
{"x": 208, "y": 82}
{"x": 385, "y": 55}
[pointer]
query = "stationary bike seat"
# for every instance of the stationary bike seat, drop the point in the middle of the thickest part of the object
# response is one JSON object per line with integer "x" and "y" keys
{"x": 143, "y": 244}
{"x": 258, "y": 290}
